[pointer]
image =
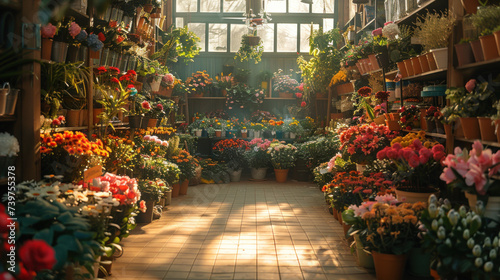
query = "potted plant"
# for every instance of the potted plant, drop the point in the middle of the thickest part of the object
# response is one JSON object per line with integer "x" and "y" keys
{"x": 251, "y": 48}
{"x": 224, "y": 82}
{"x": 283, "y": 158}
{"x": 199, "y": 83}
{"x": 231, "y": 152}
{"x": 151, "y": 194}
{"x": 48, "y": 31}
{"x": 284, "y": 85}
{"x": 167, "y": 85}
{"x": 409, "y": 117}
{"x": 187, "y": 165}
{"x": 8, "y": 153}
{"x": 242, "y": 98}
{"x": 486, "y": 20}
{"x": 464, "y": 52}
{"x": 264, "y": 77}
{"x": 257, "y": 158}
{"x": 433, "y": 31}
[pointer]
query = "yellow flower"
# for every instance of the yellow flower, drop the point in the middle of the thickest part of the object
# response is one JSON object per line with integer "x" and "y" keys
{"x": 397, "y": 219}
{"x": 411, "y": 219}
{"x": 380, "y": 230}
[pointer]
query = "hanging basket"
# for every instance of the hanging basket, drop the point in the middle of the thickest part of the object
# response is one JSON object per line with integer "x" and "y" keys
{"x": 253, "y": 40}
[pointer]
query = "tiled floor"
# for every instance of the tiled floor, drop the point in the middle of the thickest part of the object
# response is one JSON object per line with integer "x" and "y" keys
{"x": 247, "y": 230}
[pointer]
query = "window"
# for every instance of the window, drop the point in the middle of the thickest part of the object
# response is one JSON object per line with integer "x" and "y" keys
{"x": 234, "y": 6}
{"x": 295, "y": 6}
{"x": 275, "y": 6}
{"x": 322, "y": 6}
{"x": 305, "y": 33}
{"x": 287, "y": 37}
{"x": 217, "y": 37}
{"x": 237, "y": 31}
{"x": 186, "y": 6}
{"x": 199, "y": 30}
{"x": 267, "y": 36}
{"x": 210, "y": 6}
{"x": 179, "y": 22}
{"x": 328, "y": 24}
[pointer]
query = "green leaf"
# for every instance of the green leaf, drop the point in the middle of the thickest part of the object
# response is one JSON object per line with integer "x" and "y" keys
{"x": 65, "y": 217}
{"x": 45, "y": 234}
{"x": 58, "y": 227}
{"x": 70, "y": 242}
{"x": 61, "y": 256}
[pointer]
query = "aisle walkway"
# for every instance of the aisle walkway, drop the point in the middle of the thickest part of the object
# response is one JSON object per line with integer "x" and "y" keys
{"x": 248, "y": 230}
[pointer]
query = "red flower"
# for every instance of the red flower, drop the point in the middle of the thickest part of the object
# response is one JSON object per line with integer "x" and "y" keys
{"x": 125, "y": 77}
{"x": 382, "y": 95}
{"x": 131, "y": 72}
{"x": 130, "y": 86}
{"x": 56, "y": 122}
{"x": 102, "y": 69}
{"x": 298, "y": 95}
{"x": 131, "y": 195}
{"x": 114, "y": 69}
{"x": 101, "y": 37}
{"x": 159, "y": 106}
{"x": 61, "y": 118}
{"x": 303, "y": 104}
{"x": 142, "y": 206}
{"x": 115, "y": 80}
{"x": 113, "y": 23}
{"x": 365, "y": 91}
{"x": 37, "y": 255}
{"x": 146, "y": 105}
{"x": 119, "y": 39}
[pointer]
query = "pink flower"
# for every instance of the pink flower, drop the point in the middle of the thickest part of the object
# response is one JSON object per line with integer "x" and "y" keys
{"x": 142, "y": 206}
{"x": 230, "y": 108}
{"x": 476, "y": 177}
{"x": 147, "y": 137}
{"x": 301, "y": 87}
{"x": 471, "y": 85}
{"x": 48, "y": 31}
{"x": 387, "y": 23}
{"x": 168, "y": 79}
{"x": 477, "y": 147}
{"x": 159, "y": 107}
{"x": 414, "y": 161}
{"x": 74, "y": 29}
{"x": 377, "y": 32}
{"x": 303, "y": 104}
{"x": 158, "y": 141}
{"x": 164, "y": 143}
{"x": 298, "y": 95}
{"x": 439, "y": 155}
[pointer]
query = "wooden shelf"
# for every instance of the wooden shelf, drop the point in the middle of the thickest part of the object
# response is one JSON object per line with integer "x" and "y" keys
{"x": 280, "y": 98}
{"x": 439, "y": 74}
{"x": 7, "y": 118}
{"x": 478, "y": 65}
{"x": 392, "y": 74}
{"x": 10, "y": 4}
{"x": 410, "y": 19}
{"x": 60, "y": 129}
{"x": 485, "y": 143}
{"x": 372, "y": 72}
{"x": 364, "y": 28}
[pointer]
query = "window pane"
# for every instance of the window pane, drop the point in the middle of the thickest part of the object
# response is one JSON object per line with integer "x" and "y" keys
{"x": 305, "y": 33}
{"x": 237, "y": 31}
{"x": 328, "y": 24}
{"x": 267, "y": 36}
{"x": 199, "y": 30}
{"x": 234, "y": 6}
{"x": 179, "y": 22}
{"x": 322, "y": 6}
{"x": 217, "y": 37}
{"x": 210, "y": 6}
{"x": 295, "y": 6}
{"x": 276, "y": 6}
{"x": 186, "y": 6}
{"x": 287, "y": 37}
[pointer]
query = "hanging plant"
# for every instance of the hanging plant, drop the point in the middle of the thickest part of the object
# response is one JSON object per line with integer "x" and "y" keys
{"x": 248, "y": 51}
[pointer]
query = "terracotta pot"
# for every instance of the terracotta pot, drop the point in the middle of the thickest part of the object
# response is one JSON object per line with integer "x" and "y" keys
{"x": 224, "y": 92}
{"x": 402, "y": 69}
{"x": 346, "y": 228}
{"x": 96, "y": 113}
{"x": 146, "y": 217}
{"x": 472, "y": 198}
{"x": 176, "y": 189}
{"x": 73, "y": 118}
{"x": 464, "y": 54}
{"x": 423, "y": 121}
{"x": 497, "y": 130}
{"x": 218, "y": 133}
{"x": 441, "y": 57}
{"x": 286, "y": 94}
{"x": 360, "y": 69}
{"x": 184, "y": 187}
{"x": 253, "y": 40}
{"x": 244, "y": 134}
{"x": 439, "y": 127}
{"x": 72, "y": 55}
{"x": 470, "y": 6}
{"x": 388, "y": 266}
{"x": 432, "y": 61}
{"x": 458, "y": 130}
{"x": 84, "y": 117}
{"x": 145, "y": 122}
{"x": 489, "y": 47}
{"x": 497, "y": 39}
{"x": 152, "y": 122}
{"x": 424, "y": 63}
{"x": 393, "y": 125}
{"x": 373, "y": 61}
{"x": 412, "y": 197}
{"x": 46, "y": 48}
{"x": 135, "y": 121}
{"x": 448, "y": 130}
{"x": 148, "y": 8}
{"x": 471, "y": 128}
{"x": 487, "y": 129}
{"x": 477, "y": 50}
{"x": 335, "y": 213}
{"x": 434, "y": 273}
{"x": 281, "y": 175}
{"x": 409, "y": 67}
{"x": 417, "y": 69}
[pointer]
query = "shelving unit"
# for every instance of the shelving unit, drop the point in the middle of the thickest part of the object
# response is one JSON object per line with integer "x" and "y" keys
{"x": 430, "y": 5}
{"x": 438, "y": 74}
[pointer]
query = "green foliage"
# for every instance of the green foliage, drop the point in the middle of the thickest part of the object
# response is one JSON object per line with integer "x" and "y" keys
{"x": 150, "y": 190}
{"x": 179, "y": 42}
{"x": 318, "y": 150}
{"x": 487, "y": 19}
{"x": 247, "y": 52}
{"x": 434, "y": 29}
{"x": 158, "y": 168}
{"x": 320, "y": 178}
{"x": 147, "y": 67}
{"x": 214, "y": 172}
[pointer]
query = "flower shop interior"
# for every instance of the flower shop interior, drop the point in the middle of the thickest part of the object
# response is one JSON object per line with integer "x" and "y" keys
{"x": 250, "y": 139}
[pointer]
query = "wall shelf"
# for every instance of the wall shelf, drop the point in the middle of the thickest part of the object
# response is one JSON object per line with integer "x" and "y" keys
{"x": 410, "y": 19}
{"x": 7, "y": 118}
{"x": 429, "y": 76}
{"x": 366, "y": 27}
{"x": 485, "y": 143}
{"x": 478, "y": 65}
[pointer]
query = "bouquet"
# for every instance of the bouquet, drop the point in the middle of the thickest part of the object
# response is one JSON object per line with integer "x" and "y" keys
{"x": 362, "y": 143}
{"x": 231, "y": 152}
{"x": 224, "y": 82}
{"x": 256, "y": 156}
{"x": 282, "y": 156}
{"x": 123, "y": 188}
{"x": 474, "y": 172}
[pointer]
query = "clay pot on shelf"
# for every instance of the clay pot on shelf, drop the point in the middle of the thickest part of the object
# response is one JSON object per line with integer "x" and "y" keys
{"x": 464, "y": 54}
{"x": 470, "y": 6}
{"x": 489, "y": 47}
{"x": 281, "y": 175}
{"x": 477, "y": 50}
{"x": 46, "y": 48}
{"x": 471, "y": 128}
{"x": 402, "y": 69}
{"x": 441, "y": 57}
{"x": 497, "y": 39}
{"x": 409, "y": 67}
{"x": 424, "y": 63}
{"x": 417, "y": 69}
{"x": 487, "y": 129}
{"x": 431, "y": 60}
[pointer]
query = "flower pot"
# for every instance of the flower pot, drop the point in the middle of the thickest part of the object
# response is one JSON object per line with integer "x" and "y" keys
{"x": 155, "y": 85}
{"x": 434, "y": 272}
{"x": 218, "y": 133}
{"x": 360, "y": 167}
{"x": 489, "y": 47}
{"x": 492, "y": 208}
{"x": 72, "y": 55}
{"x": 497, "y": 39}
{"x": 364, "y": 259}
{"x": 152, "y": 122}
{"x": 383, "y": 59}
{"x": 409, "y": 67}
{"x": 424, "y": 63}
{"x": 431, "y": 60}
{"x": 439, "y": 127}
{"x": 46, "y": 48}
{"x": 441, "y": 57}
{"x": 197, "y": 178}
{"x": 168, "y": 197}
{"x": 244, "y": 134}
{"x": 402, "y": 69}
{"x": 464, "y": 54}
{"x": 279, "y": 134}
{"x": 286, "y": 94}
{"x": 258, "y": 173}
{"x": 235, "y": 175}
{"x": 497, "y": 130}
{"x": 360, "y": 69}
{"x": 487, "y": 129}
{"x": 417, "y": 68}
{"x": 281, "y": 175}
{"x": 73, "y": 118}
{"x": 96, "y": 113}
{"x": 95, "y": 54}
{"x": 204, "y": 133}
{"x": 253, "y": 40}
{"x": 470, "y": 6}
{"x": 198, "y": 94}
{"x": 448, "y": 130}
{"x": 419, "y": 263}
{"x": 412, "y": 197}
{"x": 373, "y": 61}
{"x": 346, "y": 228}
{"x": 472, "y": 198}
{"x": 135, "y": 121}
{"x": 257, "y": 134}
{"x": 145, "y": 122}
{"x": 184, "y": 187}
{"x": 335, "y": 213}
{"x": 471, "y": 128}
{"x": 379, "y": 120}
{"x": 146, "y": 217}
{"x": 431, "y": 125}
{"x": 176, "y": 189}
{"x": 59, "y": 51}
{"x": 477, "y": 50}
{"x": 393, "y": 125}
{"x": 84, "y": 117}
{"x": 293, "y": 135}
{"x": 389, "y": 266}
{"x": 198, "y": 132}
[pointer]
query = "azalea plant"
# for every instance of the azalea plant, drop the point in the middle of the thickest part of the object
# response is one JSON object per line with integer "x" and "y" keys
{"x": 256, "y": 156}
{"x": 283, "y": 156}
{"x": 474, "y": 172}
{"x": 284, "y": 83}
{"x": 242, "y": 96}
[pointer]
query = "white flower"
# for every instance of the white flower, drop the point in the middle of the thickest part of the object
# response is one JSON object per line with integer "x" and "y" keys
{"x": 9, "y": 146}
